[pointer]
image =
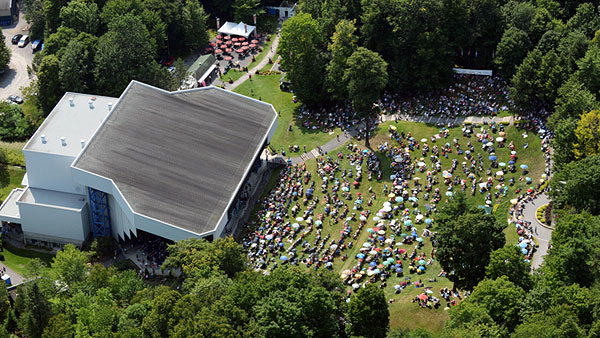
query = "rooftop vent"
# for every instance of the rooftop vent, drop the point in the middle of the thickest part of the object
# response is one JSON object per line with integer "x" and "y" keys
{"x": 109, "y": 106}
{"x": 71, "y": 102}
{"x": 91, "y": 103}
{"x": 82, "y": 143}
{"x": 43, "y": 137}
{"x": 63, "y": 141}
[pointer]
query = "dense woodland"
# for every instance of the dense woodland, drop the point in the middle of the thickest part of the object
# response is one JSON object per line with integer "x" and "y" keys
{"x": 548, "y": 51}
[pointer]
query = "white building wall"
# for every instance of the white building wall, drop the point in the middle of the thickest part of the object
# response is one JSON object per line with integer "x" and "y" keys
{"x": 49, "y": 223}
{"x": 51, "y": 172}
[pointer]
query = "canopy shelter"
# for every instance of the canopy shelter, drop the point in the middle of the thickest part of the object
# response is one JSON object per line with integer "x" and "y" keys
{"x": 237, "y": 29}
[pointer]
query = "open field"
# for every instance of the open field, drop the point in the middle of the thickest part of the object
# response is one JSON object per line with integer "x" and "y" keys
{"x": 404, "y": 313}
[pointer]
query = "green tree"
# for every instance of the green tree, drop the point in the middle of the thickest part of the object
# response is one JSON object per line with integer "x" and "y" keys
{"x": 49, "y": 87}
{"x": 52, "y": 14}
{"x": 588, "y": 135}
{"x": 577, "y": 185}
{"x": 558, "y": 322}
{"x": 573, "y": 100}
{"x": 527, "y": 82}
{"x": 13, "y": 125}
{"x": 500, "y": 298}
{"x": 58, "y": 40}
{"x": 74, "y": 69}
{"x": 34, "y": 14}
{"x": 195, "y": 33}
{"x": 58, "y": 327}
{"x": 4, "y": 53}
{"x": 301, "y": 48}
{"x": 589, "y": 70}
{"x": 312, "y": 7}
{"x": 511, "y": 51}
{"x": 333, "y": 12}
{"x": 156, "y": 324}
{"x": 368, "y": 313}
{"x": 343, "y": 44}
{"x": 80, "y": 15}
{"x": 124, "y": 53}
{"x": 244, "y": 10}
{"x": 366, "y": 75}
{"x": 4, "y": 303}
{"x": 36, "y": 313}
{"x": 508, "y": 261}
{"x": 69, "y": 265}
{"x": 158, "y": 29}
{"x": 585, "y": 20}
{"x": 116, "y": 8}
{"x": 466, "y": 238}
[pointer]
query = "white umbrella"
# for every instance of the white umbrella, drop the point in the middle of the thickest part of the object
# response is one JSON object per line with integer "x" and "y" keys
{"x": 499, "y": 173}
{"x": 381, "y": 232}
{"x": 387, "y": 209}
{"x": 499, "y": 139}
{"x": 419, "y": 217}
{"x": 489, "y": 144}
{"x": 387, "y": 204}
{"x": 299, "y": 219}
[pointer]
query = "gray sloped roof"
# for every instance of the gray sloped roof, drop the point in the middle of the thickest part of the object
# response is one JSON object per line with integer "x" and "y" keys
{"x": 179, "y": 157}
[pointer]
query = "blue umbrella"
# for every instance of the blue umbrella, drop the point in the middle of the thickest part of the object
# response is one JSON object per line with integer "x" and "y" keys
{"x": 523, "y": 245}
{"x": 403, "y": 235}
{"x": 492, "y": 158}
{"x": 524, "y": 166}
{"x": 399, "y": 199}
{"x": 502, "y": 164}
{"x": 428, "y": 220}
{"x": 407, "y": 222}
{"x": 419, "y": 239}
{"x": 373, "y": 264}
{"x": 380, "y": 238}
{"x": 524, "y": 251}
{"x": 283, "y": 258}
{"x": 360, "y": 256}
{"x": 511, "y": 162}
{"x": 422, "y": 268}
{"x": 281, "y": 244}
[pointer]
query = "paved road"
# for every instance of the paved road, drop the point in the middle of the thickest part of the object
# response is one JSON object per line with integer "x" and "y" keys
{"x": 15, "y": 278}
{"x": 15, "y": 76}
{"x": 543, "y": 234}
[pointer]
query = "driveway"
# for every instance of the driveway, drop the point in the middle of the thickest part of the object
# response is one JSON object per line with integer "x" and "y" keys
{"x": 15, "y": 76}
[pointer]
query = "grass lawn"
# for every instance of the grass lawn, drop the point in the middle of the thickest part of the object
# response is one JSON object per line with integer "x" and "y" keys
{"x": 403, "y": 312}
{"x": 266, "y": 87}
{"x": 232, "y": 74}
{"x": 10, "y": 180}
{"x": 17, "y": 259}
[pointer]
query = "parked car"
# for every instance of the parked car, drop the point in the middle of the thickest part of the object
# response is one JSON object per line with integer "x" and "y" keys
{"x": 24, "y": 41}
{"x": 16, "y": 38}
{"x": 15, "y": 99}
{"x": 36, "y": 45}
{"x": 168, "y": 61}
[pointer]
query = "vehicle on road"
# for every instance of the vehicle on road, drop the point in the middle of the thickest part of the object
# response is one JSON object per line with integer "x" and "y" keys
{"x": 15, "y": 99}
{"x": 24, "y": 41}
{"x": 36, "y": 45}
{"x": 168, "y": 61}
{"x": 16, "y": 38}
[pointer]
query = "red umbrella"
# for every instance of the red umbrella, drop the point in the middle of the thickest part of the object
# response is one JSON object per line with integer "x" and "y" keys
{"x": 218, "y": 51}
{"x": 245, "y": 43}
{"x": 257, "y": 36}
{"x": 219, "y": 42}
{"x": 240, "y": 50}
{"x": 244, "y": 47}
{"x": 236, "y": 44}
{"x": 228, "y": 58}
{"x": 227, "y": 37}
{"x": 423, "y": 296}
{"x": 219, "y": 36}
{"x": 241, "y": 39}
{"x": 208, "y": 49}
{"x": 234, "y": 39}
{"x": 254, "y": 41}
{"x": 229, "y": 50}
{"x": 252, "y": 46}
{"x": 223, "y": 46}
{"x": 228, "y": 42}
{"x": 212, "y": 44}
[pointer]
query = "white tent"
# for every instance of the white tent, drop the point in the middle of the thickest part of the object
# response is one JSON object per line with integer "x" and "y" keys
{"x": 237, "y": 29}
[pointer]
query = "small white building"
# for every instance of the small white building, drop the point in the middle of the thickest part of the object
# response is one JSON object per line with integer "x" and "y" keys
{"x": 168, "y": 163}
{"x": 285, "y": 10}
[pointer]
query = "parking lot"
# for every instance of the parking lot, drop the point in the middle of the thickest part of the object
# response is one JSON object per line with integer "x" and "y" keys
{"x": 15, "y": 75}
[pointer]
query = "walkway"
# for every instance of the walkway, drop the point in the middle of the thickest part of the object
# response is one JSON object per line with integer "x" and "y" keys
{"x": 15, "y": 278}
{"x": 256, "y": 68}
{"x": 543, "y": 234}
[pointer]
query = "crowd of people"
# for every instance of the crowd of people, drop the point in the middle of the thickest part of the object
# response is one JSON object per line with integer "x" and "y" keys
{"x": 291, "y": 229}
{"x": 468, "y": 95}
